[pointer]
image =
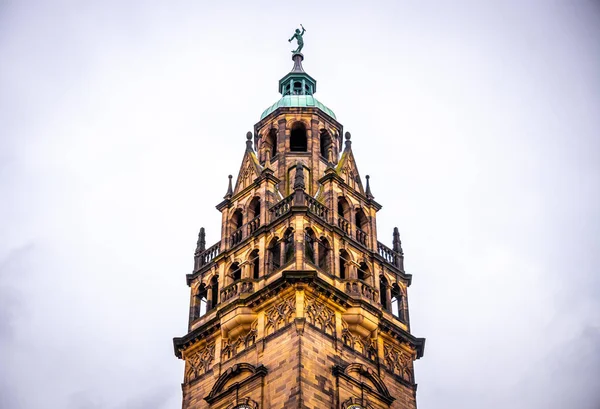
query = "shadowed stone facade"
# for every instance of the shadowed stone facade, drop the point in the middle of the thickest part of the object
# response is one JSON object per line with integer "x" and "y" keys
{"x": 298, "y": 305}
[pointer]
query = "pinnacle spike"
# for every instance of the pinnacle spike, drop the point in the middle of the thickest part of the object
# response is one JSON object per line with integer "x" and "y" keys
{"x": 368, "y": 192}
{"x": 229, "y": 188}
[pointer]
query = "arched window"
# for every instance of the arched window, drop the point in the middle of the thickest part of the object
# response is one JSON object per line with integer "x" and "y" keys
{"x": 298, "y": 140}
{"x": 200, "y": 302}
{"x": 254, "y": 208}
{"x": 254, "y": 260}
{"x": 325, "y": 140}
{"x": 361, "y": 220}
{"x": 344, "y": 264}
{"x": 238, "y": 219}
{"x": 235, "y": 272}
{"x": 271, "y": 142}
{"x": 324, "y": 250}
{"x": 343, "y": 210}
{"x": 254, "y": 215}
{"x": 288, "y": 245}
{"x": 361, "y": 226}
{"x": 297, "y": 88}
{"x": 214, "y": 292}
{"x": 274, "y": 254}
{"x": 398, "y": 303}
{"x": 309, "y": 245}
{"x": 363, "y": 271}
{"x": 383, "y": 287}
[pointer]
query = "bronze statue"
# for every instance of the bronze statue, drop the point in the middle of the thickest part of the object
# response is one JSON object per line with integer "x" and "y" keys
{"x": 298, "y": 36}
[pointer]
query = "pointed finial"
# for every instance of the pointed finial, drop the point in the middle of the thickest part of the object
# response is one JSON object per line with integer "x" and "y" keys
{"x": 348, "y": 141}
{"x": 201, "y": 244}
{"x": 299, "y": 179}
{"x": 229, "y": 189}
{"x": 249, "y": 141}
{"x": 397, "y": 244}
{"x": 369, "y": 194}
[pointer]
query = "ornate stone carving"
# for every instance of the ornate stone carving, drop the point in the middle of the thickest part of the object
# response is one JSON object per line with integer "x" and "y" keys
{"x": 366, "y": 346}
{"x": 398, "y": 362}
{"x": 232, "y": 347}
{"x": 319, "y": 315}
{"x": 280, "y": 315}
{"x": 199, "y": 363}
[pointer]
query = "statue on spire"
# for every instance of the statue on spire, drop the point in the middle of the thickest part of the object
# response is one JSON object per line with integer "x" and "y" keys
{"x": 298, "y": 36}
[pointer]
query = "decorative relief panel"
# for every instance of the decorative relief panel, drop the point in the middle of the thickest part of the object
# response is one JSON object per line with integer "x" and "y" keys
{"x": 231, "y": 347}
{"x": 199, "y": 363}
{"x": 399, "y": 362}
{"x": 366, "y": 346}
{"x": 319, "y": 315}
{"x": 280, "y": 315}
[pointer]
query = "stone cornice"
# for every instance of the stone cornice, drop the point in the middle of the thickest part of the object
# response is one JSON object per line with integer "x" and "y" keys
{"x": 390, "y": 328}
{"x": 289, "y": 278}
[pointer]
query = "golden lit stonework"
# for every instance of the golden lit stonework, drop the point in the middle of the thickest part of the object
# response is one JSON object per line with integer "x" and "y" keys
{"x": 298, "y": 305}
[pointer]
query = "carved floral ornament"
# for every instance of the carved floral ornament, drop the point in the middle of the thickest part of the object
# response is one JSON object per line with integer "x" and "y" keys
{"x": 399, "y": 362}
{"x": 366, "y": 346}
{"x": 280, "y": 315}
{"x": 232, "y": 347}
{"x": 319, "y": 315}
{"x": 199, "y": 362}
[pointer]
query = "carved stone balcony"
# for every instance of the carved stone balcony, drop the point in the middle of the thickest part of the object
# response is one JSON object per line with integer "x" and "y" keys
{"x": 253, "y": 225}
{"x": 239, "y": 287}
{"x": 344, "y": 225}
{"x": 316, "y": 208}
{"x": 281, "y": 208}
{"x": 360, "y": 288}
{"x": 361, "y": 236}
{"x": 207, "y": 256}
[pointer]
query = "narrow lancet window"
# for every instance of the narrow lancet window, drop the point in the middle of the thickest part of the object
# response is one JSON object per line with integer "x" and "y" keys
{"x": 298, "y": 140}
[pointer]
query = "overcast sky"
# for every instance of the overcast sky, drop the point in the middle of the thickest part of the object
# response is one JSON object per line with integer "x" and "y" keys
{"x": 478, "y": 121}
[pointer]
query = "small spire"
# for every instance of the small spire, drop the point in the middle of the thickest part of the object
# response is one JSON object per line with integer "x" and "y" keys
{"x": 397, "y": 244}
{"x": 348, "y": 141}
{"x": 369, "y": 194}
{"x": 249, "y": 141}
{"x": 201, "y": 244}
{"x": 299, "y": 179}
{"x": 229, "y": 189}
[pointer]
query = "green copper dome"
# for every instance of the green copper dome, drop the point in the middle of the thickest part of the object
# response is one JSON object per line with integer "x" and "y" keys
{"x": 298, "y": 101}
{"x": 297, "y": 88}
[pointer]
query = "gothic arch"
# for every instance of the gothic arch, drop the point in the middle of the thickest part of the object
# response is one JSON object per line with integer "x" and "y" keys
{"x": 253, "y": 207}
{"x": 365, "y": 372}
{"x": 299, "y": 137}
{"x": 232, "y": 373}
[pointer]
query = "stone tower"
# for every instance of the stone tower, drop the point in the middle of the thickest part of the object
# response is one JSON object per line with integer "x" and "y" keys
{"x": 298, "y": 305}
